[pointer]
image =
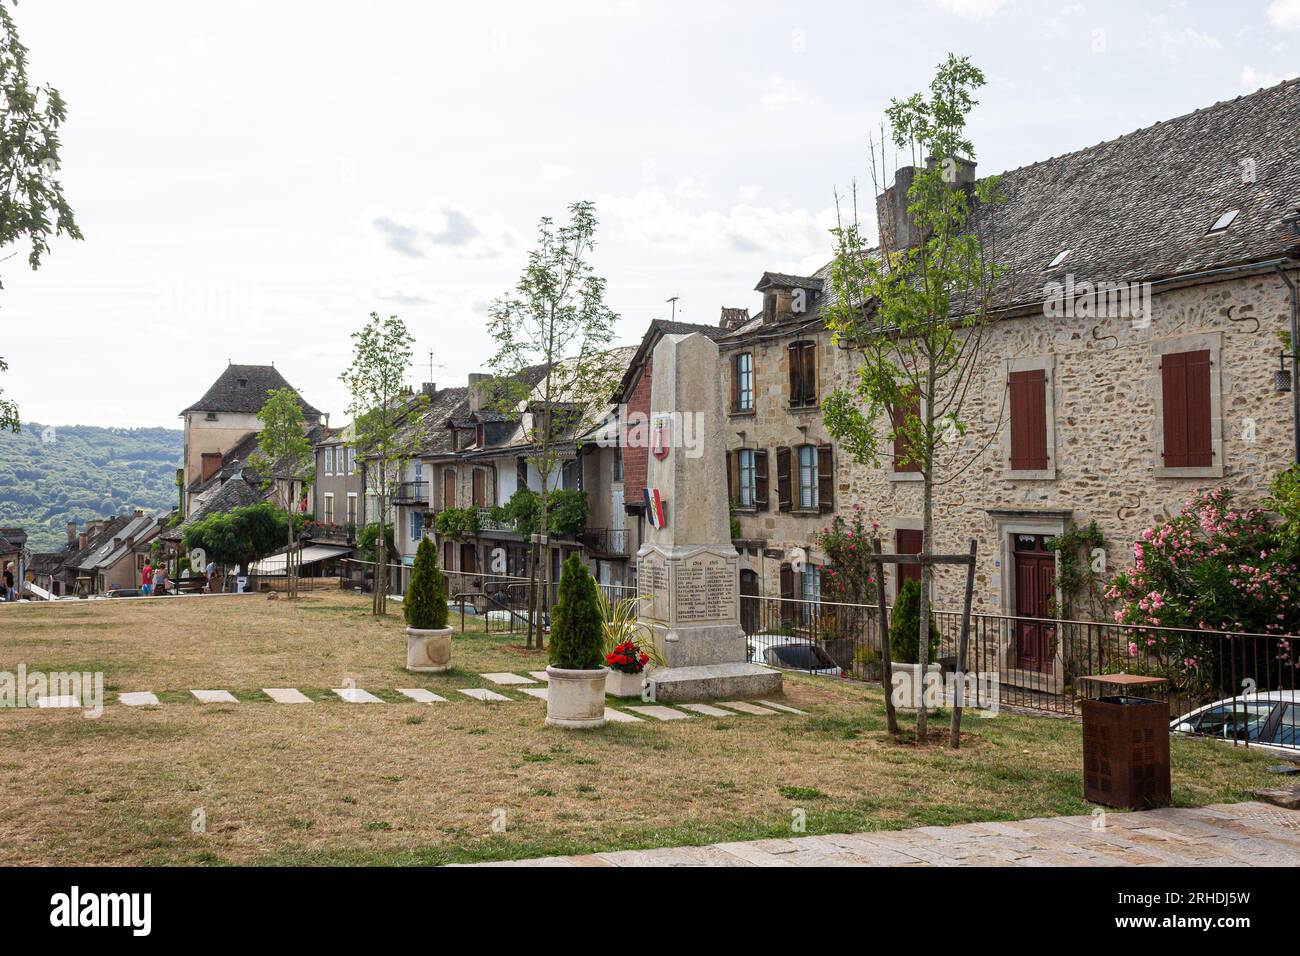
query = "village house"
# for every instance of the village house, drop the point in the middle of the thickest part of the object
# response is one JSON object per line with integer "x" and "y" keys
{"x": 13, "y": 550}
{"x": 1079, "y": 413}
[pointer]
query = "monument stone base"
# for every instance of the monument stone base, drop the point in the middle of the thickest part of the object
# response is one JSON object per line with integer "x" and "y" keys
{"x": 673, "y": 685}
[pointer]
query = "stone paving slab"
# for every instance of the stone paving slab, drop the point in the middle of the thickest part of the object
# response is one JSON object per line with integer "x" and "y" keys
{"x": 58, "y": 700}
{"x": 421, "y": 696}
{"x": 505, "y": 679}
{"x": 659, "y": 712}
{"x": 786, "y": 708}
{"x": 215, "y": 697}
{"x": 618, "y": 717}
{"x": 355, "y": 695}
{"x": 286, "y": 695}
{"x": 138, "y": 698}
{"x": 538, "y": 692}
{"x": 708, "y": 710}
{"x": 482, "y": 693}
{"x": 1256, "y": 834}
{"x": 745, "y": 707}
{"x": 541, "y": 676}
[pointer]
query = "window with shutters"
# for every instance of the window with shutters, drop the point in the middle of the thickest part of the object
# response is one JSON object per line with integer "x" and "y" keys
{"x": 1187, "y": 407}
{"x": 1029, "y": 430}
{"x": 810, "y": 583}
{"x": 448, "y": 488}
{"x": 784, "y": 484}
{"x": 745, "y": 478}
{"x": 808, "y": 483}
{"x": 903, "y": 465}
{"x": 480, "y": 488}
{"x": 907, "y": 541}
{"x": 802, "y": 357}
{"x": 742, "y": 382}
{"x": 789, "y": 605}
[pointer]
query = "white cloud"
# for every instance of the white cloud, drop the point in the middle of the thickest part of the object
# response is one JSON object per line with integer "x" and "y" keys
{"x": 749, "y": 192}
{"x": 1284, "y": 14}
{"x": 1253, "y": 79}
{"x": 442, "y": 228}
{"x": 973, "y": 9}
{"x": 689, "y": 188}
{"x": 556, "y": 171}
{"x": 654, "y": 219}
{"x": 781, "y": 95}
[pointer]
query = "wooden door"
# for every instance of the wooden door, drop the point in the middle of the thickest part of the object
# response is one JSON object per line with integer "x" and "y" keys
{"x": 908, "y": 541}
{"x": 448, "y": 488}
{"x": 749, "y": 606}
{"x": 1035, "y": 567}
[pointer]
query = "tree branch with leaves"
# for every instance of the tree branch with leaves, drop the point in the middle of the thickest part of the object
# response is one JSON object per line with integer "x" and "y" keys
{"x": 916, "y": 312}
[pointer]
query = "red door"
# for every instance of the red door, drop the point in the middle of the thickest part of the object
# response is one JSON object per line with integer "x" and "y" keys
{"x": 908, "y": 541}
{"x": 1035, "y": 568}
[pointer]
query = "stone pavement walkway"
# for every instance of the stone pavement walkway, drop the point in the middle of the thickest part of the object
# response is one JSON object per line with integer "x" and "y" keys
{"x": 1227, "y": 834}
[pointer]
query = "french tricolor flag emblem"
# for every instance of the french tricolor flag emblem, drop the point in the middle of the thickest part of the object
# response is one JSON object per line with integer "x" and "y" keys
{"x": 654, "y": 508}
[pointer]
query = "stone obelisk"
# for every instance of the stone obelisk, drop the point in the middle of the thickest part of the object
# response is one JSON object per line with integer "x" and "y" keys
{"x": 688, "y": 572}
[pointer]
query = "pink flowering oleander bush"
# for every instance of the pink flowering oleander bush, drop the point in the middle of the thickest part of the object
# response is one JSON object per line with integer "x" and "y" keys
{"x": 1214, "y": 567}
{"x": 848, "y": 576}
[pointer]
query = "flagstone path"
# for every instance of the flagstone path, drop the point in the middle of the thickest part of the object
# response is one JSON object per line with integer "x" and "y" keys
{"x": 1227, "y": 834}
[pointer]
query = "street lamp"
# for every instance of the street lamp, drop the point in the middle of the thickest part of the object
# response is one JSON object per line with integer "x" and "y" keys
{"x": 1282, "y": 378}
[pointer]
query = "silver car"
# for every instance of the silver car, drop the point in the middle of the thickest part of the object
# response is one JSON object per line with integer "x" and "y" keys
{"x": 1269, "y": 720}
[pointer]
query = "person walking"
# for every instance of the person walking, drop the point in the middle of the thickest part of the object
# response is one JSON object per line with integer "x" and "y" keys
{"x": 160, "y": 579}
{"x": 10, "y": 593}
{"x": 146, "y": 578}
{"x": 210, "y": 572}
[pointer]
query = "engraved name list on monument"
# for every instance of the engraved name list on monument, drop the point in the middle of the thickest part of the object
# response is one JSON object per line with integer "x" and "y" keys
{"x": 652, "y": 586}
{"x": 706, "y": 588}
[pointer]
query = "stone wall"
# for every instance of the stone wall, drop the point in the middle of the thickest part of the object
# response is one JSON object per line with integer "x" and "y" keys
{"x": 1105, "y": 387}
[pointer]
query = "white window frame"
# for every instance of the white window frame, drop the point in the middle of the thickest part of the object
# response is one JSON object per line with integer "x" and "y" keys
{"x": 809, "y": 501}
{"x": 329, "y": 508}
{"x": 354, "y": 511}
{"x": 744, "y": 383}
{"x": 352, "y": 460}
{"x": 415, "y": 524}
{"x": 745, "y": 473}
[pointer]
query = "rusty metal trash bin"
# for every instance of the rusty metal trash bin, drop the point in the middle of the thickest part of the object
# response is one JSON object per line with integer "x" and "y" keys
{"x": 1125, "y": 741}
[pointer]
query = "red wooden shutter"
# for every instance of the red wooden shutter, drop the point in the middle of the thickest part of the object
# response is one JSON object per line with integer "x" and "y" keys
{"x": 733, "y": 482}
{"x": 1185, "y": 386}
{"x": 760, "y": 479}
{"x": 810, "y": 373}
{"x": 825, "y": 479}
{"x": 479, "y": 491}
{"x": 735, "y": 382}
{"x": 1028, "y": 420}
{"x": 901, "y": 445}
{"x": 783, "y": 498}
{"x": 796, "y": 374}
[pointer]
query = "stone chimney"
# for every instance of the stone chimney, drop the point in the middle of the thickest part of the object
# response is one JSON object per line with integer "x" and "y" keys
{"x": 117, "y": 542}
{"x": 897, "y": 230}
{"x": 212, "y": 461}
{"x": 732, "y": 318}
{"x": 429, "y": 388}
{"x": 478, "y": 390}
{"x": 139, "y": 512}
{"x": 72, "y": 531}
{"x": 82, "y": 540}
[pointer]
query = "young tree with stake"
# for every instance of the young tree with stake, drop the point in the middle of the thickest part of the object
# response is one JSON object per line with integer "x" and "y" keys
{"x": 555, "y": 318}
{"x": 284, "y": 441}
{"x": 915, "y": 312}
{"x": 381, "y": 418}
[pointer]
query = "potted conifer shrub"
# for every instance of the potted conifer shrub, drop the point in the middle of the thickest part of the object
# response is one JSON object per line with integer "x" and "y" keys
{"x": 428, "y": 637}
{"x": 904, "y": 644}
{"x": 575, "y": 696}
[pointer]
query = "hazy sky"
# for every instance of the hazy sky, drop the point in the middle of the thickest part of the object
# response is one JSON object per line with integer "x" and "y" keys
{"x": 254, "y": 178}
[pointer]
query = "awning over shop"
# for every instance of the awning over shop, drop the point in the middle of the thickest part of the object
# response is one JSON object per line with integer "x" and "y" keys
{"x": 310, "y": 555}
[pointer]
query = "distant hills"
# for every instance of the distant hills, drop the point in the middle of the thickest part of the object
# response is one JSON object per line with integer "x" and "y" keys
{"x": 52, "y": 475}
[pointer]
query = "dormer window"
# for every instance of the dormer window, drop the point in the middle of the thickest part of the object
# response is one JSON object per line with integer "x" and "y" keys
{"x": 478, "y": 435}
{"x": 1223, "y": 222}
{"x": 1060, "y": 257}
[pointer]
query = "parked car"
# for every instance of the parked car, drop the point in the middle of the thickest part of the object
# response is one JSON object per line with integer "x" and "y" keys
{"x": 125, "y": 592}
{"x": 791, "y": 653}
{"x": 1270, "y": 720}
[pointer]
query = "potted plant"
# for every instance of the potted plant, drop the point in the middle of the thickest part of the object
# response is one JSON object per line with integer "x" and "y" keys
{"x": 428, "y": 637}
{"x": 575, "y": 697}
{"x": 629, "y": 647}
{"x": 904, "y": 641}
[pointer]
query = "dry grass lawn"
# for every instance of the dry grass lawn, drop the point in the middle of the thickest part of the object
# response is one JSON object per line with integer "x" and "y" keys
{"x": 413, "y": 783}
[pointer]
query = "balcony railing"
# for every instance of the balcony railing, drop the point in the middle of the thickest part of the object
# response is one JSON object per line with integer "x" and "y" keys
{"x": 606, "y": 542}
{"x": 411, "y": 491}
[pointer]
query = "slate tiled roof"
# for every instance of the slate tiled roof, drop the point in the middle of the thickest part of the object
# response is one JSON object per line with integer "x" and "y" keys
{"x": 233, "y": 460}
{"x": 86, "y": 557}
{"x": 787, "y": 281}
{"x": 243, "y": 388}
{"x": 1137, "y": 208}
{"x": 47, "y": 562}
{"x": 235, "y": 493}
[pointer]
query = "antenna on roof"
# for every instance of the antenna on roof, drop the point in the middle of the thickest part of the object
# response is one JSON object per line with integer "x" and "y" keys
{"x": 673, "y": 300}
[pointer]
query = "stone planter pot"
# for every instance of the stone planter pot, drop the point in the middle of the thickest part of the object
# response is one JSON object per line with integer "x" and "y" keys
{"x": 914, "y": 686}
{"x": 428, "y": 652}
{"x": 620, "y": 684}
{"x": 575, "y": 699}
